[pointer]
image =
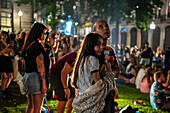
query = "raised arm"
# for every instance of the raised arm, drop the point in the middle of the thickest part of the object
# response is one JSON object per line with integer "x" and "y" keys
{"x": 166, "y": 84}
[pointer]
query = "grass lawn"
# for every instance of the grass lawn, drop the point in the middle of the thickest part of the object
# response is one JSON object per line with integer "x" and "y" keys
{"x": 127, "y": 94}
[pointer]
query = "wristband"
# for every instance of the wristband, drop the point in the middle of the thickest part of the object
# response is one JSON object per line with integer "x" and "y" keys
{"x": 66, "y": 88}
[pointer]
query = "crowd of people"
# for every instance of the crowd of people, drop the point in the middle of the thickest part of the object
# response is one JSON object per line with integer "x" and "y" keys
{"x": 149, "y": 71}
{"x": 78, "y": 70}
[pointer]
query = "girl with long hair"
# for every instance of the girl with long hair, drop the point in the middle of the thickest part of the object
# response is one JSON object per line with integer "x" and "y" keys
{"x": 86, "y": 69}
{"x": 34, "y": 78}
{"x": 6, "y": 68}
{"x": 147, "y": 81}
{"x": 88, "y": 57}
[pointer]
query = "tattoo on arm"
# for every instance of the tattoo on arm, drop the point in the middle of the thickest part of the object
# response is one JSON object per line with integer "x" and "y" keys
{"x": 40, "y": 65}
{"x": 41, "y": 56}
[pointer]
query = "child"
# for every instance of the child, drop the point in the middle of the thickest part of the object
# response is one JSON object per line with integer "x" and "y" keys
{"x": 87, "y": 65}
{"x": 147, "y": 81}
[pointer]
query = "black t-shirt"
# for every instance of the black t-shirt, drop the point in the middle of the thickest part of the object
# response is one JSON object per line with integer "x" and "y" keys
{"x": 30, "y": 58}
{"x": 147, "y": 53}
{"x": 49, "y": 53}
{"x": 21, "y": 42}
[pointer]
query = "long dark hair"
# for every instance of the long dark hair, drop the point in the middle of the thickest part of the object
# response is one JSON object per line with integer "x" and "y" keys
{"x": 8, "y": 39}
{"x": 33, "y": 35}
{"x": 22, "y": 35}
{"x": 87, "y": 48}
{"x": 148, "y": 75}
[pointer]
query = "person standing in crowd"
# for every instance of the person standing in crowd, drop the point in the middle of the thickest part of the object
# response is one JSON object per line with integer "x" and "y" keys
{"x": 34, "y": 78}
{"x": 6, "y": 67}
{"x": 76, "y": 43}
{"x": 50, "y": 51}
{"x": 146, "y": 55}
{"x": 49, "y": 56}
{"x": 59, "y": 76}
{"x": 157, "y": 94}
{"x": 21, "y": 39}
{"x": 64, "y": 45}
{"x": 56, "y": 45}
{"x": 101, "y": 27}
{"x": 15, "y": 56}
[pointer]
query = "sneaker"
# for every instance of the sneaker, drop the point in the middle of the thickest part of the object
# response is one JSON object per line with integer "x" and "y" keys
{"x": 42, "y": 108}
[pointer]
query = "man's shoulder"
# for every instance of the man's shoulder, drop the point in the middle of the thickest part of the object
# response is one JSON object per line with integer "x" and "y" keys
{"x": 71, "y": 54}
{"x": 109, "y": 48}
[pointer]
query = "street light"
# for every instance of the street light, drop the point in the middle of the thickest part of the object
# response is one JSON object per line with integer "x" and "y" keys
{"x": 152, "y": 25}
{"x": 20, "y": 14}
{"x": 76, "y": 23}
{"x": 74, "y": 7}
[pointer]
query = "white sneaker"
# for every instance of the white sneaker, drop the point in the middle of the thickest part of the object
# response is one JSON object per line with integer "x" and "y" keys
{"x": 42, "y": 108}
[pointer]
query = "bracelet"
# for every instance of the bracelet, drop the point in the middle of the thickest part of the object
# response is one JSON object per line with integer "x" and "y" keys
{"x": 65, "y": 88}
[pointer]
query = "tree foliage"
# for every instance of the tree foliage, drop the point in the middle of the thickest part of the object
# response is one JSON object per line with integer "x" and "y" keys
{"x": 140, "y": 11}
{"x": 52, "y": 11}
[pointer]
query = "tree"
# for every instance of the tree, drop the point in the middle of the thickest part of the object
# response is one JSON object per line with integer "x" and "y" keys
{"x": 53, "y": 11}
{"x": 140, "y": 11}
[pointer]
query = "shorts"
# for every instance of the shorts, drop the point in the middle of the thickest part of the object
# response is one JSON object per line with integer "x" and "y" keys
{"x": 145, "y": 61}
{"x": 6, "y": 64}
{"x": 61, "y": 94}
{"x": 32, "y": 83}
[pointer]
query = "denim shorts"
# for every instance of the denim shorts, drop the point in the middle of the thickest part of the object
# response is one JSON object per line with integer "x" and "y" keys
{"x": 32, "y": 83}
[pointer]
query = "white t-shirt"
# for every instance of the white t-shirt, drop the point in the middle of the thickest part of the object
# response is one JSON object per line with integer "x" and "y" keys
{"x": 139, "y": 78}
{"x": 128, "y": 68}
{"x": 85, "y": 78}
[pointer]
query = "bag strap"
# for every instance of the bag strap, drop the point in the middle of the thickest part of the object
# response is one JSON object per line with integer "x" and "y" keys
{"x": 30, "y": 45}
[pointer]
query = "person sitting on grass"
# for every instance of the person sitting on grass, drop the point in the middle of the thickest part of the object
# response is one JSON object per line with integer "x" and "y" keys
{"x": 140, "y": 75}
{"x": 157, "y": 94}
{"x": 147, "y": 81}
{"x": 128, "y": 78}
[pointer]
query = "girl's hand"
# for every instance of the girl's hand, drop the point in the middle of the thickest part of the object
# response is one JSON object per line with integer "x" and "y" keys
{"x": 67, "y": 93}
{"x": 44, "y": 87}
{"x": 108, "y": 65}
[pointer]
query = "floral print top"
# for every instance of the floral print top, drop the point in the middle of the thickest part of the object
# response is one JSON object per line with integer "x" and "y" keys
{"x": 157, "y": 95}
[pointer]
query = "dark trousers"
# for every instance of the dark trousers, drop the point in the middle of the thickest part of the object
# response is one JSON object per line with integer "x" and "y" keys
{"x": 166, "y": 106}
{"x": 109, "y": 103}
